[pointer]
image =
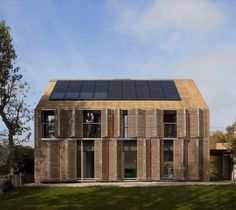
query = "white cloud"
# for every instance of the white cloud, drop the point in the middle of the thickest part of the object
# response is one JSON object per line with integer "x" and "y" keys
{"x": 214, "y": 72}
{"x": 191, "y": 15}
{"x": 171, "y": 25}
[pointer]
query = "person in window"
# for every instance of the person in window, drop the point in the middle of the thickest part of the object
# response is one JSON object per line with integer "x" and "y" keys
{"x": 89, "y": 120}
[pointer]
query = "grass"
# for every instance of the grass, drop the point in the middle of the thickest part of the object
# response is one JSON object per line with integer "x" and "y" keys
{"x": 171, "y": 197}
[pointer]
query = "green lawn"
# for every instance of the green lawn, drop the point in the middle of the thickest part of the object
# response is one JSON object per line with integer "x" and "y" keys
{"x": 175, "y": 197}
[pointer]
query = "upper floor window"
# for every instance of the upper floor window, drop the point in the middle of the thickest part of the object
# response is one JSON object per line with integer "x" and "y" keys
{"x": 170, "y": 124}
{"x": 125, "y": 124}
{"x": 91, "y": 124}
{"x": 48, "y": 124}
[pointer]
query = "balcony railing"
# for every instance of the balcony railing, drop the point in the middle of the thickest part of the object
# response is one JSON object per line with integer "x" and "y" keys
{"x": 170, "y": 130}
{"x": 91, "y": 130}
{"x": 48, "y": 130}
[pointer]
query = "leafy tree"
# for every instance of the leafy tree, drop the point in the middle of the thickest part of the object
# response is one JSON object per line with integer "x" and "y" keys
{"x": 229, "y": 137}
{"x": 14, "y": 112}
{"x": 218, "y": 137}
{"x": 23, "y": 160}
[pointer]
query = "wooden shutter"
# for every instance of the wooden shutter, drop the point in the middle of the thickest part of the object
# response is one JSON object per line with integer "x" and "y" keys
{"x": 155, "y": 159}
{"x": 45, "y": 167}
{"x": 78, "y": 123}
{"x": 117, "y": 123}
{"x": 54, "y": 160}
{"x": 193, "y": 159}
{"x": 194, "y": 123}
{"x": 206, "y": 146}
{"x": 178, "y": 159}
{"x": 180, "y": 123}
{"x": 57, "y": 123}
{"x": 151, "y": 123}
{"x": 71, "y": 159}
{"x": 110, "y": 123}
{"x": 187, "y": 123}
{"x": 104, "y": 123}
{"x": 64, "y": 123}
{"x": 141, "y": 123}
{"x": 120, "y": 160}
{"x": 160, "y": 125}
{"x": 98, "y": 160}
{"x": 148, "y": 160}
{"x": 140, "y": 159}
{"x": 105, "y": 159}
{"x": 112, "y": 160}
{"x": 38, "y": 124}
{"x": 132, "y": 123}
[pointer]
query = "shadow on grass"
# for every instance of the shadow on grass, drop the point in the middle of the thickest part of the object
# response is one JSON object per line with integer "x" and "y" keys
{"x": 173, "y": 197}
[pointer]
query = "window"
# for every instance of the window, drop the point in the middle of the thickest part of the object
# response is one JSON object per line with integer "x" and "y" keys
{"x": 85, "y": 159}
{"x": 130, "y": 159}
{"x": 168, "y": 159}
{"x": 125, "y": 124}
{"x": 170, "y": 125}
{"x": 48, "y": 124}
{"x": 92, "y": 124}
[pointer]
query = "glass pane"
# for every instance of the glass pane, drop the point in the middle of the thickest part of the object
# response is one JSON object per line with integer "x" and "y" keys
{"x": 78, "y": 159}
{"x": 100, "y": 95}
{"x": 125, "y": 125}
{"x": 170, "y": 130}
{"x": 72, "y": 95}
{"x": 61, "y": 86}
{"x": 130, "y": 158}
{"x": 168, "y": 159}
{"x": 88, "y": 159}
{"x": 86, "y": 95}
{"x": 47, "y": 124}
{"x": 170, "y": 116}
{"x": 57, "y": 96}
{"x": 130, "y": 164}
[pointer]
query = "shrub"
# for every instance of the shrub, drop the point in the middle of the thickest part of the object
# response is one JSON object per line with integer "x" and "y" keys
{"x": 7, "y": 186}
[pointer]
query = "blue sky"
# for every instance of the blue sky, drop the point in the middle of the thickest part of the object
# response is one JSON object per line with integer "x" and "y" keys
{"x": 129, "y": 39}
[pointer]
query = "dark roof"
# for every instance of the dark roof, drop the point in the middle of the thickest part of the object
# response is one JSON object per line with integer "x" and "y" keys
{"x": 115, "y": 90}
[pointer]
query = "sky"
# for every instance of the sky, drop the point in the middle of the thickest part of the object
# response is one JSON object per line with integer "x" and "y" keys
{"x": 162, "y": 39}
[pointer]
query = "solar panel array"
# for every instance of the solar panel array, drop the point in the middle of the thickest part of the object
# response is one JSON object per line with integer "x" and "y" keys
{"x": 115, "y": 90}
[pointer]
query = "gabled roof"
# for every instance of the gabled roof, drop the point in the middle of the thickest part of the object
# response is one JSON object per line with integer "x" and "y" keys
{"x": 185, "y": 95}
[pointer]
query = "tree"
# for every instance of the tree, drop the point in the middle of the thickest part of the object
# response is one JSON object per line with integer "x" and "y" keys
{"x": 23, "y": 160}
{"x": 218, "y": 137}
{"x": 229, "y": 137}
{"x": 14, "y": 112}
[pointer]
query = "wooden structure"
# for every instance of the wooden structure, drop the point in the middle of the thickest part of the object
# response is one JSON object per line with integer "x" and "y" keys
{"x": 133, "y": 141}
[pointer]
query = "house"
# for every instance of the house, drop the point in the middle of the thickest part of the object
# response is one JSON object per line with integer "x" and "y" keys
{"x": 121, "y": 129}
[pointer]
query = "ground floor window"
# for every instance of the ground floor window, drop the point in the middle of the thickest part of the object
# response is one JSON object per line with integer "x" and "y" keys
{"x": 85, "y": 159}
{"x": 130, "y": 158}
{"x": 168, "y": 159}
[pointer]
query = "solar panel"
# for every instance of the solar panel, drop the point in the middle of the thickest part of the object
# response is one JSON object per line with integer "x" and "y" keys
{"x": 115, "y": 90}
{"x": 128, "y": 90}
{"x": 142, "y": 89}
{"x": 61, "y": 86}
